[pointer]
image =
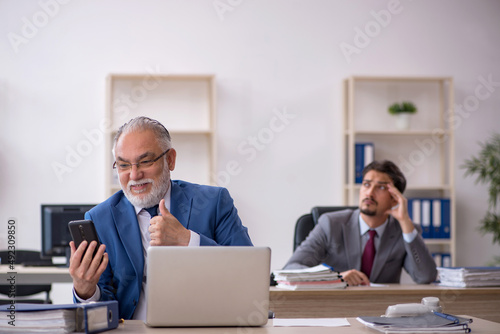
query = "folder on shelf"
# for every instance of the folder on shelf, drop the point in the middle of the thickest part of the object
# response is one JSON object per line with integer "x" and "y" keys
{"x": 445, "y": 260}
{"x": 93, "y": 317}
{"x": 436, "y": 219}
{"x": 442, "y": 259}
{"x": 445, "y": 218}
{"x": 364, "y": 155}
{"x": 414, "y": 210}
{"x": 426, "y": 218}
{"x": 438, "y": 259}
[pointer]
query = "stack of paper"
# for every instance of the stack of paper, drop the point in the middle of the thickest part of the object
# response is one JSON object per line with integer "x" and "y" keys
{"x": 90, "y": 317}
{"x": 427, "y": 323}
{"x": 469, "y": 276}
{"x": 320, "y": 277}
{"x": 52, "y": 321}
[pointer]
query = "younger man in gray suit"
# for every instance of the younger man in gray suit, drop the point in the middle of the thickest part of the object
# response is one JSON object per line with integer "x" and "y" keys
{"x": 343, "y": 239}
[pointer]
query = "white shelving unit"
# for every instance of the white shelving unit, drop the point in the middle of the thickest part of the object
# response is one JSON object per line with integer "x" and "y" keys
{"x": 424, "y": 152}
{"x": 184, "y": 104}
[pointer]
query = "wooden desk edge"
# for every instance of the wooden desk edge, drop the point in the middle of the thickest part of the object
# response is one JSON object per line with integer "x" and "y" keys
{"x": 137, "y": 326}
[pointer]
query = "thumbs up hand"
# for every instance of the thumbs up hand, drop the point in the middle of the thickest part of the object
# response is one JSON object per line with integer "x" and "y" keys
{"x": 166, "y": 230}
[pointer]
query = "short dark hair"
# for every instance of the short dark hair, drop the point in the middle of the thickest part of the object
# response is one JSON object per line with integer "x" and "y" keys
{"x": 389, "y": 168}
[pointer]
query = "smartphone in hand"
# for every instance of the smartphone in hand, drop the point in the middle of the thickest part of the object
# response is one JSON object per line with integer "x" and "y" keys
{"x": 83, "y": 230}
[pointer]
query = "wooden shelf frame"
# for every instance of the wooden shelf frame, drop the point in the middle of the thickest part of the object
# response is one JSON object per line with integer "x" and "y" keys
{"x": 443, "y": 88}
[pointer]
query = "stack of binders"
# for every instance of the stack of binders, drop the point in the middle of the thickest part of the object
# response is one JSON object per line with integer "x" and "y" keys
{"x": 320, "y": 277}
{"x": 433, "y": 214}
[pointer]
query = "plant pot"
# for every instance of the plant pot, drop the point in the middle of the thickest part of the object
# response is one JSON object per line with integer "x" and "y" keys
{"x": 403, "y": 121}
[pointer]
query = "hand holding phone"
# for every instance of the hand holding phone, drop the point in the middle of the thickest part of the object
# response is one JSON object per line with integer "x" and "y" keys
{"x": 83, "y": 230}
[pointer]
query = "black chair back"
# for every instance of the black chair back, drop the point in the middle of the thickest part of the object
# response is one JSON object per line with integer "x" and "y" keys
{"x": 21, "y": 257}
{"x": 306, "y": 222}
{"x": 317, "y": 211}
{"x": 303, "y": 226}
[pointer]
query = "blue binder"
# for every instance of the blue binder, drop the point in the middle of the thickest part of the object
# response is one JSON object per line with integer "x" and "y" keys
{"x": 426, "y": 205}
{"x": 363, "y": 155}
{"x": 359, "y": 162}
{"x": 445, "y": 218}
{"x": 93, "y": 317}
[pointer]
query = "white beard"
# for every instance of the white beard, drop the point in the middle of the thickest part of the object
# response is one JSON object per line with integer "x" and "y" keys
{"x": 158, "y": 190}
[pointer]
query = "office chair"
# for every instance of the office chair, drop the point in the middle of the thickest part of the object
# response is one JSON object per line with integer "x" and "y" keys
{"x": 306, "y": 222}
{"x": 317, "y": 211}
{"x": 303, "y": 226}
{"x": 25, "y": 256}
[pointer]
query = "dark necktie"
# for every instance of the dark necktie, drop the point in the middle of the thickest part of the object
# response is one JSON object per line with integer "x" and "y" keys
{"x": 368, "y": 254}
{"x": 153, "y": 211}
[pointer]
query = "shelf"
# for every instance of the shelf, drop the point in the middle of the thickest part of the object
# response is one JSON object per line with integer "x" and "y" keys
{"x": 434, "y": 132}
{"x": 400, "y": 79}
{"x": 430, "y": 241}
{"x": 184, "y": 104}
{"x": 424, "y": 152}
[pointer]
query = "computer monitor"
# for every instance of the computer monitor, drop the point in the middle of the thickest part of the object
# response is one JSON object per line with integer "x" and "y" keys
{"x": 55, "y": 232}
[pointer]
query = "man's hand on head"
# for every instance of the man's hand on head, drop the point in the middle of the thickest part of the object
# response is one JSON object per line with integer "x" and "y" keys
{"x": 166, "y": 230}
{"x": 400, "y": 210}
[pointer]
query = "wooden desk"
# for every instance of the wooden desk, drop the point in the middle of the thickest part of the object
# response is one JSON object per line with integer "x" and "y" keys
{"x": 373, "y": 301}
{"x": 35, "y": 275}
{"x": 370, "y": 301}
{"x": 479, "y": 326}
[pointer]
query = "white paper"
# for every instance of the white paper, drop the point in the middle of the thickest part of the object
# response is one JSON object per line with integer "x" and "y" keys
{"x": 378, "y": 285}
{"x": 311, "y": 322}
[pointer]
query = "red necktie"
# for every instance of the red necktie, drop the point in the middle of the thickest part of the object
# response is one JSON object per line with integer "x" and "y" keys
{"x": 368, "y": 254}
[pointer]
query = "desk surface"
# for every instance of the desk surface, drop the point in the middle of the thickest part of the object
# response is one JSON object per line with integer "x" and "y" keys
{"x": 479, "y": 326}
{"x": 373, "y": 301}
{"x": 35, "y": 275}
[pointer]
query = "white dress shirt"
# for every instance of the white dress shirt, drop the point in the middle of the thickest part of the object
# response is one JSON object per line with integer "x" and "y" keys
{"x": 364, "y": 235}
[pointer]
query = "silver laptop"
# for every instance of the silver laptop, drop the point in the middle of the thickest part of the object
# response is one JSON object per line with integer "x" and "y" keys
{"x": 207, "y": 286}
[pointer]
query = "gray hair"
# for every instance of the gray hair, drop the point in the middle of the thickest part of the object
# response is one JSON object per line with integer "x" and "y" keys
{"x": 142, "y": 123}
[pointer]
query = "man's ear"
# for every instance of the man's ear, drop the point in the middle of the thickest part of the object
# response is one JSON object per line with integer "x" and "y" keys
{"x": 171, "y": 155}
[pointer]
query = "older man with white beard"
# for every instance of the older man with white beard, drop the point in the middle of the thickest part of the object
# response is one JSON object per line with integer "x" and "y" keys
{"x": 150, "y": 210}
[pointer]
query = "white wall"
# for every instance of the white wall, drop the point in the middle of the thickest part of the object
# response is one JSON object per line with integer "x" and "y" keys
{"x": 268, "y": 56}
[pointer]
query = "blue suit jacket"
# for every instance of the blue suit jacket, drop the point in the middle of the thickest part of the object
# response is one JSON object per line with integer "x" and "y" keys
{"x": 208, "y": 211}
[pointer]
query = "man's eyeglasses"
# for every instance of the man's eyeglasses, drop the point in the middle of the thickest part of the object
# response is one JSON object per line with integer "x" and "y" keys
{"x": 125, "y": 166}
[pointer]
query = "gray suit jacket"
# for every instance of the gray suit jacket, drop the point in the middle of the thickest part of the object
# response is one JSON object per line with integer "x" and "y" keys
{"x": 335, "y": 240}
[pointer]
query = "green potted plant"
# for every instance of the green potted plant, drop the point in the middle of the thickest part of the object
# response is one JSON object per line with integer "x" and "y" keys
{"x": 403, "y": 111}
{"x": 486, "y": 166}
